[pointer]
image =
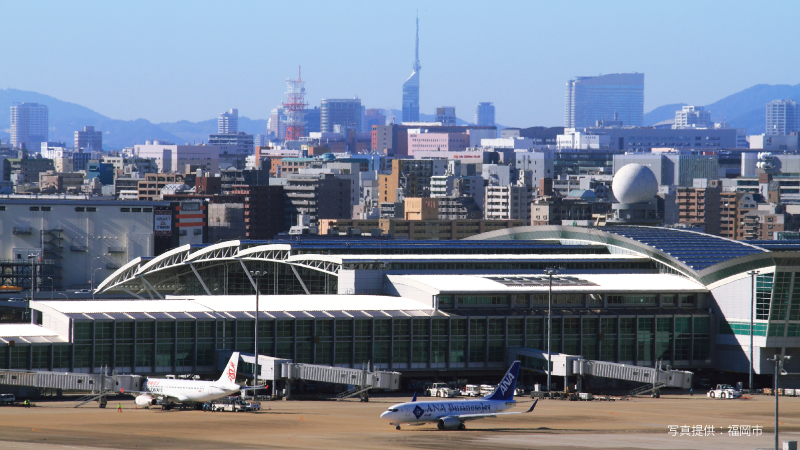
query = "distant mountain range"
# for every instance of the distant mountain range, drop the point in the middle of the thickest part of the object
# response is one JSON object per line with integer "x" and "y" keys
{"x": 65, "y": 118}
{"x": 745, "y": 109}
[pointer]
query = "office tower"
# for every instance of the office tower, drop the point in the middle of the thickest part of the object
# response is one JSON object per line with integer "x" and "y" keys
{"x": 276, "y": 125}
{"x": 312, "y": 118}
{"x": 89, "y": 139}
{"x": 28, "y": 125}
{"x": 228, "y": 122}
{"x": 484, "y": 114}
{"x": 344, "y": 112}
{"x": 782, "y": 117}
{"x": 693, "y": 117}
{"x": 374, "y": 117}
{"x": 411, "y": 88}
{"x": 591, "y": 99}
{"x": 446, "y": 115}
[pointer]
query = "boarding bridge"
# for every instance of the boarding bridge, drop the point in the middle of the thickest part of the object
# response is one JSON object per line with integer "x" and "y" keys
{"x": 569, "y": 365}
{"x": 276, "y": 369}
{"x": 99, "y": 384}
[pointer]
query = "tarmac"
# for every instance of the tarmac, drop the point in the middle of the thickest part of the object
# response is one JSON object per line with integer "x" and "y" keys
{"x": 640, "y": 423}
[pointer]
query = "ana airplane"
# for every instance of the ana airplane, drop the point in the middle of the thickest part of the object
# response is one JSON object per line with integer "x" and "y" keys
{"x": 191, "y": 392}
{"x": 452, "y": 415}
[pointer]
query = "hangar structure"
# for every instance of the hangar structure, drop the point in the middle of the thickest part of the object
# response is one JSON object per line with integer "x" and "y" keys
{"x": 625, "y": 294}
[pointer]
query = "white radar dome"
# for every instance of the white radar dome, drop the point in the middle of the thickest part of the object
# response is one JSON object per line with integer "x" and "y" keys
{"x": 634, "y": 183}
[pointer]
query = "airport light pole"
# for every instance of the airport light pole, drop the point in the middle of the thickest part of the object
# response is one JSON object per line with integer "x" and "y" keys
{"x": 752, "y": 274}
{"x": 93, "y": 272}
{"x": 550, "y": 271}
{"x": 778, "y": 359}
{"x": 257, "y": 274}
{"x": 91, "y": 264}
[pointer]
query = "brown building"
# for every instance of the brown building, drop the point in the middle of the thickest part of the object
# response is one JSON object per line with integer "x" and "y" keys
{"x": 421, "y": 209}
{"x": 264, "y": 210}
{"x": 700, "y": 206}
{"x": 208, "y": 185}
{"x": 414, "y": 175}
{"x": 150, "y": 187}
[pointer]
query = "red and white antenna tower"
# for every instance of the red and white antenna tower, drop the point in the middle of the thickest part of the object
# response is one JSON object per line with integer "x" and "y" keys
{"x": 295, "y": 105}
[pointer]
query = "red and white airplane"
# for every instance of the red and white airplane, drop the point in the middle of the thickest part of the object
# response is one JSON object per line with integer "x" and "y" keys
{"x": 191, "y": 392}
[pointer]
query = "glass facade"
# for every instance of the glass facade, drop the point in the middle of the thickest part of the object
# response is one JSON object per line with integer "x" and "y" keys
{"x": 422, "y": 343}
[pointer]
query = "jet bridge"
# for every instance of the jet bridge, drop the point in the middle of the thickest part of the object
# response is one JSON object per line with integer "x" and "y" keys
{"x": 569, "y": 365}
{"x": 276, "y": 369}
{"x": 99, "y": 384}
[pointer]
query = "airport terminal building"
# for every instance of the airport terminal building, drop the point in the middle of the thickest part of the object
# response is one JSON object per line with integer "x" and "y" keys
{"x": 628, "y": 294}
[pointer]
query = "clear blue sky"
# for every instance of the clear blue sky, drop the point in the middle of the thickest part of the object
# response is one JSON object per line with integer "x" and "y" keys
{"x": 173, "y": 60}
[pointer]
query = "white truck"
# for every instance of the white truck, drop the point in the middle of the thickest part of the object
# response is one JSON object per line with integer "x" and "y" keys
{"x": 471, "y": 390}
{"x": 724, "y": 391}
{"x": 441, "y": 390}
{"x": 487, "y": 389}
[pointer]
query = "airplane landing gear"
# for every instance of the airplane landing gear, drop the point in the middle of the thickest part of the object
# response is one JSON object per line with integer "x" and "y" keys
{"x": 397, "y": 427}
{"x": 462, "y": 427}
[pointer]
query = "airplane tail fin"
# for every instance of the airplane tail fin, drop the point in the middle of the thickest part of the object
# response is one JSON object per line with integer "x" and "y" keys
{"x": 229, "y": 372}
{"x": 415, "y": 397}
{"x": 505, "y": 390}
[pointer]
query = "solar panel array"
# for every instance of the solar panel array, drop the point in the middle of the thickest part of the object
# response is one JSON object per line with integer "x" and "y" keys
{"x": 696, "y": 250}
{"x": 513, "y": 281}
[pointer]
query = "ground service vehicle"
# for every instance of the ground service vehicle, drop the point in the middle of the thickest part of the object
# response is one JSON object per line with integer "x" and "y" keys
{"x": 7, "y": 399}
{"x": 724, "y": 391}
{"x": 471, "y": 390}
{"x": 487, "y": 389}
{"x": 441, "y": 390}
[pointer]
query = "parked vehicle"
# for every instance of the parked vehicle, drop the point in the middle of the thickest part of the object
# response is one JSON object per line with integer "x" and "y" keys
{"x": 724, "y": 391}
{"x": 471, "y": 390}
{"x": 7, "y": 399}
{"x": 487, "y": 389}
{"x": 441, "y": 390}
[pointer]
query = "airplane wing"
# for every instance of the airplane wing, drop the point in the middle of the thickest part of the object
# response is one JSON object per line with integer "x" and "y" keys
{"x": 466, "y": 417}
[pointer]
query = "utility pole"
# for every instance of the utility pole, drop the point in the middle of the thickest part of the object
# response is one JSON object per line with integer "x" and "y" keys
{"x": 778, "y": 359}
{"x": 257, "y": 274}
{"x": 33, "y": 276}
{"x": 752, "y": 274}
{"x": 550, "y": 271}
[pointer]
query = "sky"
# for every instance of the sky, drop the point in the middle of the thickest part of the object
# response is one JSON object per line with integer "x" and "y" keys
{"x": 190, "y": 60}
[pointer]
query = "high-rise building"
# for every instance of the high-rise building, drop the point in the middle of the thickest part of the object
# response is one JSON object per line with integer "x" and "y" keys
{"x": 782, "y": 117}
{"x": 228, "y": 122}
{"x": 344, "y": 112}
{"x": 374, "y": 117}
{"x": 411, "y": 88}
{"x": 693, "y": 117}
{"x": 446, "y": 115}
{"x": 484, "y": 114}
{"x": 88, "y": 139}
{"x": 592, "y": 99}
{"x": 28, "y": 125}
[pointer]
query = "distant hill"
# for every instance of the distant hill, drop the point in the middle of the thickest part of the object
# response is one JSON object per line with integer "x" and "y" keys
{"x": 662, "y": 113}
{"x": 745, "y": 109}
{"x": 196, "y": 132}
{"x": 65, "y": 118}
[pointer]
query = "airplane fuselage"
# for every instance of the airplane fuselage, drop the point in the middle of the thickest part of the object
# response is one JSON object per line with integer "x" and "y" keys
{"x": 416, "y": 412}
{"x": 188, "y": 390}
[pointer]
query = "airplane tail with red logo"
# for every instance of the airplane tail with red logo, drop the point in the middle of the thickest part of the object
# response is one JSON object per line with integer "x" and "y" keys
{"x": 229, "y": 372}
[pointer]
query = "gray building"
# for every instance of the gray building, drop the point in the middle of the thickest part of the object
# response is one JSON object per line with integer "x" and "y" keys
{"x": 228, "y": 122}
{"x": 320, "y": 196}
{"x": 605, "y": 97}
{"x": 28, "y": 125}
{"x": 782, "y": 117}
{"x": 484, "y": 114}
{"x": 343, "y": 112}
{"x": 693, "y": 117}
{"x": 89, "y": 139}
{"x": 673, "y": 169}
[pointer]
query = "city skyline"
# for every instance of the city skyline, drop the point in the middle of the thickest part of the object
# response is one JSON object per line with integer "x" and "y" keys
{"x": 165, "y": 76}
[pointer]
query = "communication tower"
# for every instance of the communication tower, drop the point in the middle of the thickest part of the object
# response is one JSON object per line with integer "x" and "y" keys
{"x": 295, "y": 105}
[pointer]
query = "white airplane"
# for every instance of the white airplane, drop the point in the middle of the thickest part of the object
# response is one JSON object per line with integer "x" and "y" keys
{"x": 171, "y": 390}
{"x": 452, "y": 415}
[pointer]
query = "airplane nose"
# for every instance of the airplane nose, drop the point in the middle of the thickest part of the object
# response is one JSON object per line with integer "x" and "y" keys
{"x": 385, "y": 415}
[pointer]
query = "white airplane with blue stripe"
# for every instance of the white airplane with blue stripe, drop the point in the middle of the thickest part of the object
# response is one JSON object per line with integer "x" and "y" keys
{"x": 452, "y": 415}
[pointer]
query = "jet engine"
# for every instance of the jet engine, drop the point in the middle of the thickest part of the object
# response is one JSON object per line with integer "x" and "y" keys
{"x": 145, "y": 400}
{"x": 449, "y": 423}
